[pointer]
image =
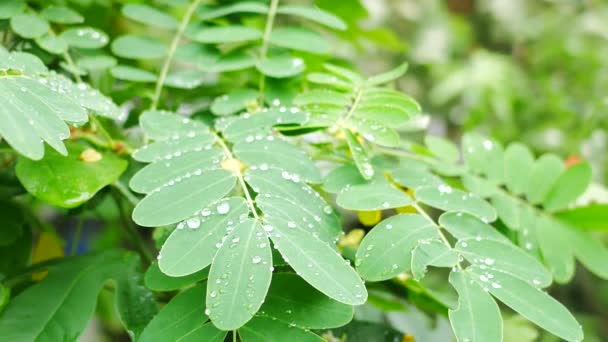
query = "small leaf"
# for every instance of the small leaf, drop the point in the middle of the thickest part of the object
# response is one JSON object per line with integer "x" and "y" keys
{"x": 322, "y": 96}
{"x": 432, "y": 253}
{"x": 206, "y": 13}
{"x": 377, "y": 195}
{"x": 61, "y": 15}
{"x": 590, "y": 252}
{"x": 29, "y": 26}
{"x": 299, "y": 38}
{"x": 342, "y": 177}
{"x": 265, "y": 329}
{"x": 240, "y": 276}
{"x": 138, "y": 47}
{"x": 230, "y": 62}
{"x": 281, "y": 66}
{"x": 543, "y": 175}
{"x": 484, "y": 155}
{"x": 360, "y": 155}
{"x": 149, "y": 16}
{"x": 518, "y": 163}
{"x": 387, "y": 76}
{"x": 465, "y": 226}
{"x": 68, "y": 182}
{"x": 128, "y": 73}
{"x": 85, "y": 37}
{"x": 185, "y": 79}
{"x": 568, "y": 187}
{"x": 477, "y": 317}
{"x": 314, "y": 14}
{"x": 156, "y": 280}
{"x": 234, "y": 101}
{"x": 555, "y": 246}
{"x": 9, "y": 9}
{"x": 52, "y": 44}
{"x": 386, "y": 250}
{"x": 592, "y": 217}
{"x": 446, "y": 198}
{"x": 329, "y": 80}
{"x": 97, "y": 62}
{"x": 442, "y": 148}
{"x": 224, "y": 34}
{"x": 535, "y": 305}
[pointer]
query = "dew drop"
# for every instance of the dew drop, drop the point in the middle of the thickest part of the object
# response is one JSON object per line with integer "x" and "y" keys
{"x": 256, "y": 259}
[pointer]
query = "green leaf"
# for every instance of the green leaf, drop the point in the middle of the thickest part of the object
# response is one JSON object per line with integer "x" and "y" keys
{"x": 163, "y": 125}
{"x": 68, "y": 182}
{"x": 185, "y": 79}
{"x": 493, "y": 255}
{"x": 12, "y": 222}
{"x": 313, "y": 14}
{"x": 266, "y": 329}
{"x": 193, "y": 245}
{"x": 274, "y": 152}
{"x": 281, "y": 65}
{"x": 183, "y": 318}
{"x": 329, "y": 80}
{"x": 180, "y": 200}
{"x": 568, "y": 187}
{"x": 9, "y": 9}
{"x": 387, "y": 76}
{"x": 344, "y": 73}
{"x": 34, "y": 315}
{"x": 377, "y": 195}
{"x": 29, "y": 26}
{"x": 224, "y": 34}
{"x": 415, "y": 178}
{"x": 386, "y": 250}
{"x": 138, "y": 47}
{"x": 156, "y": 280}
{"x": 477, "y": 317}
{"x": 342, "y": 177}
{"x": 591, "y": 217}
{"x": 442, "y": 148}
{"x": 432, "y": 253}
{"x": 97, "y": 62}
{"x": 61, "y": 15}
{"x": 446, "y": 198}
{"x": 85, "y": 37}
{"x": 543, "y": 175}
{"x": 260, "y": 124}
{"x": 484, "y": 155}
{"x": 234, "y": 101}
{"x": 360, "y": 155}
{"x": 466, "y": 226}
{"x": 128, "y": 73}
{"x": 299, "y": 38}
{"x": 135, "y": 303}
{"x": 150, "y": 16}
{"x": 535, "y": 305}
{"x": 292, "y": 301}
{"x": 555, "y": 246}
{"x": 518, "y": 163}
{"x": 53, "y": 44}
{"x": 206, "y": 13}
{"x": 240, "y": 276}
{"x": 375, "y": 132}
{"x": 230, "y": 62}
{"x": 322, "y": 96}
{"x": 590, "y": 252}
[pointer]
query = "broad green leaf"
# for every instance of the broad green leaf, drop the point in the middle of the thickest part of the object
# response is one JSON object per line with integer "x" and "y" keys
{"x": 493, "y": 255}
{"x": 206, "y": 13}
{"x": 274, "y": 152}
{"x": 386, "y": 250}
{"x": 85, "y": 37}
{"x": 52, "y": 44}
{"x": 555, "y": 245}
{"x": 484, "y": 155}
{"x": 590, "y": 252}
{"x": 135, "y": 303}
{"x": 535, "y": 305}
{"x": 224, "y": 34}
{"x": 292, "y": 301}
{"x": 477, "y": 317}
{"x": 323, "y": 96}
{"x": 299, "y": 38}
{"x": 61, "y": 15}
{"x": 97, "y": 62}
{"x": 341, "y": 178}
{"x": 446, "y": 198}
{"x": 316, "y": 262}
{"x": 138, "y": 47}
{"x": 259, "y": 125}
{"x": 193, "y": 245}
{"x": 266, "y": 329}
{"x": 465, "y": 226}
{"x": 240, "y": 276}
{"x": 387, "y": 76}
{"x": 281, "y": 65}
{"x": 592, "y": 217}
{"x": 518, "y": 163}
{"x": 8, "y": 9}
{"x": 69, "y": 181}
{"x": 543, "y": 175}
{"x": 359, "y": 154}
{"x": 128, "y": 73}
{"x": 149, "y": 16}
{"x": 163, "y": 125}
{"x": 442, "y": 148}
{"x": 431, "y": 253}
{"x": 234, "y": 101}
{"x": 313, "y": 14}
{"x": 156, "y": 280}
{"x": 29, "y": 26}
{"x": 179, "y": 200}
{"x": 34, "y": 315}
{"x": 568, "y": 187}
{"x": 377, "y": 195}
{"x": 183, "y": 319}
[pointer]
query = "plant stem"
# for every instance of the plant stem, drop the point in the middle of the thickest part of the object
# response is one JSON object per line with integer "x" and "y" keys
{"x": 233, "y": 335}
{"x": 125, "y": 192}
{"x": 102, "y": 130}
{"x": 172, "y": 48}
{"x": 131, "y": 230}
{"x": 239, "y": 175}
{"x": 264, "y": 50}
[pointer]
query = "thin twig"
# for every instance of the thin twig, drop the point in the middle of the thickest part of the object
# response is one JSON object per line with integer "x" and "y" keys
{"x": 266, "y": 40}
